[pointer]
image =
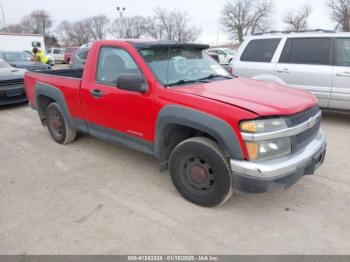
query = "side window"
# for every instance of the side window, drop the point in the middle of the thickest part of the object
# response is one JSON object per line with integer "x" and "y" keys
{"x": 260, "y": 50}
{"x": 49, "y": 51}
{"x": 307, "y": 51}
{"x": 342, "y": 52}
{"x": 114, "y": 62}
{"x": 56, "y": 51}
{"x": 220, "y": 52}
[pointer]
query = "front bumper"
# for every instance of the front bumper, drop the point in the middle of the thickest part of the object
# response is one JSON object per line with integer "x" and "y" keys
{"x": 266, "y": 176}
{"x": 12, "y": 95}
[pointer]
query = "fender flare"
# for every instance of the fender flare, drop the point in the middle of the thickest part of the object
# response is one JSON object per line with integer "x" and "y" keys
{"x": 52, "y": 92}
{"x": 186, "y": 117}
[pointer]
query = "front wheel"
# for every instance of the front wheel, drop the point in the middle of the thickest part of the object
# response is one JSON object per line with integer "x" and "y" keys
{"x": 200, "y": 172}
{"x": 57, "y": 125}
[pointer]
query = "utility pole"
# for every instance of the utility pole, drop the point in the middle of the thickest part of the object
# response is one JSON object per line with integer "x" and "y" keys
{"x": 121, "y": 11}
{"x": 3, "y": 15}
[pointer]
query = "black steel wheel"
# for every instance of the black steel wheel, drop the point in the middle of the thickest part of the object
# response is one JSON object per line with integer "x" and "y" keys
{"x": 57, "y": 125}
{"x": 200, "y": 172}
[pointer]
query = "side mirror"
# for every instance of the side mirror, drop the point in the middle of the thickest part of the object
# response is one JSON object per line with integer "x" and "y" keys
{"x": 132, "y": 82}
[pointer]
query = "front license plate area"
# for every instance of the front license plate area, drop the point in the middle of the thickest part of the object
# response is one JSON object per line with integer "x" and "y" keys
{"x": 12, "y": 93}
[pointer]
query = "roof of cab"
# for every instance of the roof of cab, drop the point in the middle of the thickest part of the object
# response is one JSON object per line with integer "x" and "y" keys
{"x": 164, "y": 43}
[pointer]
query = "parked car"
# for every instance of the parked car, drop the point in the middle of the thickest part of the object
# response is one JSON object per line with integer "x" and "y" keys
{"x": 216, "y": 133}
{"x": 22, "y": 60}
{"x": 86, "y": 45}
{"x": 78, "y": 59}
{"x": 226, "y": 55}
{"x": 69, "y": 51}
{"x": 11, "y": 84}
{"x": 57, "y": 54}
{"x": 317, "y": 61}
{"x": 213, "y": 55}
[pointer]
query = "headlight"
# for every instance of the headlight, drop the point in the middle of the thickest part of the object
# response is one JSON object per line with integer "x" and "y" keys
{"x": 263, "y": 126}
{"x": 269, "y": 149}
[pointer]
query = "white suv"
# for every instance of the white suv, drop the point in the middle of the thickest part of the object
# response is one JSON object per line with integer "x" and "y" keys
{"x": 315, "y": 61}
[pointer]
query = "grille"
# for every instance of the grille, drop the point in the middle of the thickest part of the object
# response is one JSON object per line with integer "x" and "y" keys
{"x": 302, "y": 117}
{"x": 13, "y": 82}
{"x": 301, "y": 140}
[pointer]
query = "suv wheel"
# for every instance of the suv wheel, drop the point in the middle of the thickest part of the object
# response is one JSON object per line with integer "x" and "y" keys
{"x": 200, "y": 172}
{"x": 57, "y": 125}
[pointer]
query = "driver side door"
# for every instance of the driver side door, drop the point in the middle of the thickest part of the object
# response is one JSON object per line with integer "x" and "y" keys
{"x": 115, "y": 114}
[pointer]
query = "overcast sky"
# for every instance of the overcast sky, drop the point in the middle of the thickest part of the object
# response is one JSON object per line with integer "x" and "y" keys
{"x": 205, "y": 13}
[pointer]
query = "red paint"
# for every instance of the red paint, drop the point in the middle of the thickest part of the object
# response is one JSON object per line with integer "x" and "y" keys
{"x": 136, "y": 114}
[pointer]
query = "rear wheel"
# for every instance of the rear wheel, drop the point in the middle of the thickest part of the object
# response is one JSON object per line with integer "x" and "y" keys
{"x": 200, "y": 172}
{"x": 57, "y": 125}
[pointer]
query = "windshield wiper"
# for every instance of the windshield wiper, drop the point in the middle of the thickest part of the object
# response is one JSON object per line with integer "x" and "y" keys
{"x": 212, "y": 76}
{"x": 183, "y": 82}
{"x": 200, "y": 80}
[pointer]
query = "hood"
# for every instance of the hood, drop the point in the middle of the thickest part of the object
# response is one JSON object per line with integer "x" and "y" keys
{"x": 30, "y": 65}
{"x": 262, "y": 98}
{"x": 11, "y": 73}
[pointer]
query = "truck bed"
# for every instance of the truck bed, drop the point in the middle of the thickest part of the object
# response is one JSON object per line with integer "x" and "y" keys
{"x": 67, "y": 81}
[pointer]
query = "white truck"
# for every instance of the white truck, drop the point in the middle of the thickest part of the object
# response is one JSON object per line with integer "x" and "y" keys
{"x": 21, "y": 42}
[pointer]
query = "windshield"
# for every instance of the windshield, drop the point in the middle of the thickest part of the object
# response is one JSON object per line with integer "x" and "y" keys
{"x": 180, "y": 65}
{"x": 16, "y": 57}
{"x": 3, "y": 64}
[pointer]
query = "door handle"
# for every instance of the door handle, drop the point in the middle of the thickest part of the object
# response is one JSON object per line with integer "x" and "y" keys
{"x": 284, "y": 70}
{"x": 96, "y": 93}
{"x": 344, "y": 74}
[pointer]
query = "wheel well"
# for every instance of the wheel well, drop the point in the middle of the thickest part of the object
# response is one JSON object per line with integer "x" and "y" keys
{"x": 174, "y": 134}
{"x": 42, "y": 103}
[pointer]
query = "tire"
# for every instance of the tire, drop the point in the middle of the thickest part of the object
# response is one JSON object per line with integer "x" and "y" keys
{"x": 59, "y": 130}
{"x": 200, "y": 172}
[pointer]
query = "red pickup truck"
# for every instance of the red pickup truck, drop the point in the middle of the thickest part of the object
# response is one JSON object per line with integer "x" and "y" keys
{"x": 216, "y": 133}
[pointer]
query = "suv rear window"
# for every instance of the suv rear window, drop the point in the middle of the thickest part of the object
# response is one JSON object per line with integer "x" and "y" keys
{"x": 307, "y": 51}
{"x": 260, "y": 50}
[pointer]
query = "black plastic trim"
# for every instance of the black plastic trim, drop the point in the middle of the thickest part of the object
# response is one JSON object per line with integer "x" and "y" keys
{"x": 119, "y": 138}
{"x": 182, "y": 116}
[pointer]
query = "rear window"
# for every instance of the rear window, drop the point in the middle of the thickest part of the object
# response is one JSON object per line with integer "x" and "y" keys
{"x": 308, "y": 51}
{"x": 260, "y": 50}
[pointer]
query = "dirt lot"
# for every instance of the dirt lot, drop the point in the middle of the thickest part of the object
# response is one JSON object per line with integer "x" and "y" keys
{"x": 94, "y": 198}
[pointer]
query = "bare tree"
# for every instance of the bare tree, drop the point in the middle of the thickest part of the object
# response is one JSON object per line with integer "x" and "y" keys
{"x": 38, "y": 22}
{"x": 340, "y": 13}
{"x": 129, "y": 27}
{"x": 242, "y": 17}
{"x": 98, "y": 26}
{"x": 260, "y": 16}
{"x": 51, "y": 41}
{"x": 14, "y": 28}
{"x": 297, "y": 20}
{"x": 153, "y": 28}
{"x": 74, "y": 34}
{"x": 176, "y": 25}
